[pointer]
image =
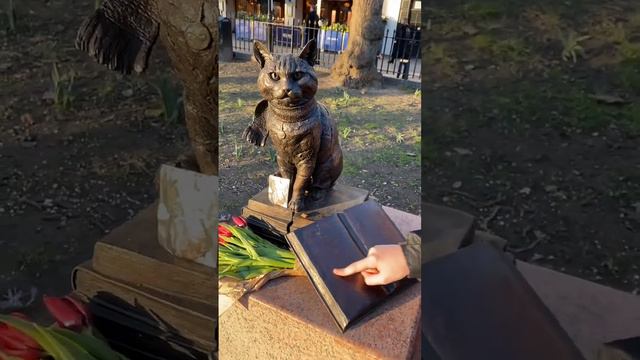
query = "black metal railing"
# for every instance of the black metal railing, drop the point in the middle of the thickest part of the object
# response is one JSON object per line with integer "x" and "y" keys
{"x": 399, "y": 55}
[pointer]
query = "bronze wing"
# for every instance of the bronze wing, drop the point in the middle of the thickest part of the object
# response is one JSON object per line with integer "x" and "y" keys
{"x": 257, "y": 133}
{"x": 120, "y": 34}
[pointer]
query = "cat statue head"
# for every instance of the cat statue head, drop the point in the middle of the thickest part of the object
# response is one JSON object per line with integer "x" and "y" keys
{"x": 287, "y": 81}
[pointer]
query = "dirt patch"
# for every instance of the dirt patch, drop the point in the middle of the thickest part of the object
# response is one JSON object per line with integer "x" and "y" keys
{"x": 542, "y": 148}
{"x": 379, "y": 134}
{"x": 75, "y": 166}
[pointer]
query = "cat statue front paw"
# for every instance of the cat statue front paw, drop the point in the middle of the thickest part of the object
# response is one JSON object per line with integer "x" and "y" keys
{"x": 296, "y": 205}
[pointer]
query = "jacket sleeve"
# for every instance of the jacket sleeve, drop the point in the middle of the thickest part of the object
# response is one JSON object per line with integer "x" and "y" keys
{"x": 412, "y": 252}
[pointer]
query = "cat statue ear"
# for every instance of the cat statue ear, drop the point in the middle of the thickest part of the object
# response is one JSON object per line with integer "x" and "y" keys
{"x": 309, "y": 51}
{"x": 261, "y": 53}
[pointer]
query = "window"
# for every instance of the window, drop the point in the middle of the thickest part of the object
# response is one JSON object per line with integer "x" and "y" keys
{"x": 410, "y": 12}
{"x": 414, "y": 16}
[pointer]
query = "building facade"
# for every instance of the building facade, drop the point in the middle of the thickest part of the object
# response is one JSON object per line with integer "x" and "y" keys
{"x": 406, "y": 12}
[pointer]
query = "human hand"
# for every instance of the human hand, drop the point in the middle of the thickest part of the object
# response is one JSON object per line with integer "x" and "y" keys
{"x": 383, "y": 265}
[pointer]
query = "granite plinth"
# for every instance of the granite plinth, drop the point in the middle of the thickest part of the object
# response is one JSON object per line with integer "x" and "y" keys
{"x": 592, "y": 314}
{"x": 286, "y": 319}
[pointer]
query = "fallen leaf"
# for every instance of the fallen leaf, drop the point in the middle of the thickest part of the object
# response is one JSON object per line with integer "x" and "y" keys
{"x": 48, "y": 95}
{"x": 154, "y": 113}
{"x": 525, "y": 191}
{"x": 470, "y": 30}
{"x": 536, "y": 257}
{"x": 462, "y": 151}
{"x": 609, "y": 99}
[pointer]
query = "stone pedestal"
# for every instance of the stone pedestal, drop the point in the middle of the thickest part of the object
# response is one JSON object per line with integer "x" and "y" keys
{"x": 286, "y": 319}
{"x": 592, "y": 314}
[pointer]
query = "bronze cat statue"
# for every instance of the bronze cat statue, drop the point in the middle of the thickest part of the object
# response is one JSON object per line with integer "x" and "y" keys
{"x": 302, "y": 131}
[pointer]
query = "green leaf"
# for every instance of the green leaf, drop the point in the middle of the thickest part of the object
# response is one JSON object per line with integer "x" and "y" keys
{"x": 93, "y": 345}
{"x": 67, "y": 348}
{"x": 43, "y": 336}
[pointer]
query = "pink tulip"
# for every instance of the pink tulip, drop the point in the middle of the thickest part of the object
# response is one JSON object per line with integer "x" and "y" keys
{"x": 239, "y": 221}
{"x": 68, "y": 312}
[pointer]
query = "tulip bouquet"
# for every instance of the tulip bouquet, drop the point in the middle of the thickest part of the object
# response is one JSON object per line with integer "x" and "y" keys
{"x": 246, "y": 262}
{"x": 243, "y": 255}
{"x": 71, "y": 337}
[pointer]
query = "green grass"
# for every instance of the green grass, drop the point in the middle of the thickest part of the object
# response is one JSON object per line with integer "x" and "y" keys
{"x": 396, "y": 156}
{"x": 171, "y": 100}
{"x": 545, "y": 21}
{"x": 350, "y": 167}
{"x": 629, "y": 51}
{"x": 628, "y": 75}
{"x": 572, "y": 47}
{"x": 437, "y": 54}
{"x": 611, "y": 32}
{"x": 505, "y": 50}
{"x": 631, "y": 119}
{"x": 634, "y": 21}
{"x": 345, "y": 132}
{"x": 371, "y": 126}
{"x": 63, "y": 87}
{"x": 238, "y": 149}
{"x": 482, "y": 42}
{"x": 585, "y": 113}
{"x": 11, "y": 15}
{"x": 344, "y": 100}
{"x": 483, "y": 10}
{"x": 511, "y": 50}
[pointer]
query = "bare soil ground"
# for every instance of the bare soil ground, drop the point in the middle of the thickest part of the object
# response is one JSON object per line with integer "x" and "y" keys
{"x": 379, "y": 134}
{"x": 69, "y": 175}
{"x": 543, "y": 149}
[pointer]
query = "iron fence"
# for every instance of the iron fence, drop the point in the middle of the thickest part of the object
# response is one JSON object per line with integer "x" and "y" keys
{"x": 399, "y": 55}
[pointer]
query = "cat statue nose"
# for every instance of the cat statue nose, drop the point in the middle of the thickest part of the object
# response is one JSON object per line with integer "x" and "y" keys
{"x": 292, "y": 94}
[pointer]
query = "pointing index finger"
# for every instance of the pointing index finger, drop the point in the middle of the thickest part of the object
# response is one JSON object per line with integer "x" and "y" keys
{"x": 356, "y": 267}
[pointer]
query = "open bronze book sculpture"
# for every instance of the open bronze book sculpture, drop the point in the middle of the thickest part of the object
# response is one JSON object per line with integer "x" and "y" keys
{"x": 302, "y": 131}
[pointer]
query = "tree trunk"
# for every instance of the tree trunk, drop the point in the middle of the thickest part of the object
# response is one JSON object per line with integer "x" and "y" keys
{"x": 189, "y": 31}
{"x": 356, "y": 67}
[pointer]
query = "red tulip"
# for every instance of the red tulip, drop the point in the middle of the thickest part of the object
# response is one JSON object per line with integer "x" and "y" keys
{"x": 222, "y": 231}
{"x": 17, "y": 344}
{"x": 68, "y": 312}
{"x": 239, "y": 221}
{"x": 81, "y": 307}
{"x": 23, "y": 354}
{"x": 20, "y": 316}
{"x": 221, "y": 240}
